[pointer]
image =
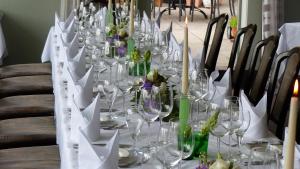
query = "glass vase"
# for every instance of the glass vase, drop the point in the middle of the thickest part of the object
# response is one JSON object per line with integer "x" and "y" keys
{"x": 141, "y": 68}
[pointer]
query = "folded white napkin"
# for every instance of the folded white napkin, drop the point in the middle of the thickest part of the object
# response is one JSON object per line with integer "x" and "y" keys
{"x": 65, "y": 26}
{"x": 71, "y": 47}
{"x": 77, "y": 121}
{"x": 77, "y": 65}
{"x": 91, "y": 114}
{"x": 49, "y": 48}
{"x": 258, "y": 128}
{"x": 83, "y": 92}
{"x": 297, "y": 150}
{"x": 194, "y": 62}
{"x": 98, "y": 157}
{"x": 222, "y": 88}
{"x": 69, "y": 33}
{"x": 176, "y": 49}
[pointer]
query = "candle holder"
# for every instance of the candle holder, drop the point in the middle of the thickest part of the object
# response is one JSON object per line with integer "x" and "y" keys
{"x": 187, "y": 125}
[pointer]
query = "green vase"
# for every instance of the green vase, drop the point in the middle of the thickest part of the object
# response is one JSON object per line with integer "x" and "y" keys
{"x": 201, "y": 144}
{"x": 138, "y": 69}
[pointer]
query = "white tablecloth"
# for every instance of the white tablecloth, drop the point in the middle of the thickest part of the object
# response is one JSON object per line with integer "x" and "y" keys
{"x": 67, "y": 152}
{"x": 3, "y": 51}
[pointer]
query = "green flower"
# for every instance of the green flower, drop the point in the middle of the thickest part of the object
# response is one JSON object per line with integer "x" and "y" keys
{"x": 210, "y": 124}
{"x": 147, "y": 56}
{"x": 112, "y": 30}
{"x": 135, "y": 55}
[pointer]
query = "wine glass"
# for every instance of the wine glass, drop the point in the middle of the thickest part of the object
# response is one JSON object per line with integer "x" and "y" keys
{"x": 233, "y": 108}
{"x": 263, "y": 156}
{"x": 219, "y": 130}
{"x": 146, "y": 101}
{"x": 163, "y": 99}
{"x": 134, "y": 126}
{"x": 246, "y": 120}
{"x": 180, "y": 145}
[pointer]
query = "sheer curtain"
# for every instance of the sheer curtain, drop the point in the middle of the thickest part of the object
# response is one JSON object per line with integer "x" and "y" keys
{"x": 272, "y": 17}
{"x": 66, "y": 6}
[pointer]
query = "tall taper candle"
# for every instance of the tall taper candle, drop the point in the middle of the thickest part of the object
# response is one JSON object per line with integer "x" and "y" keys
{"x": 185, "y": 63}
{"x": 290, "y": 149}
{"x": 109, "y": 6}
{"x": 131, "y": 21}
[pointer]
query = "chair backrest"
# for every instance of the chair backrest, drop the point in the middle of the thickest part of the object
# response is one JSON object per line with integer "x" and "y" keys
{"x": 238, "y": 66}
{"x": 257, "y": 80}
{"x": 209, "y": 61}
{"x": 279, "y": 103}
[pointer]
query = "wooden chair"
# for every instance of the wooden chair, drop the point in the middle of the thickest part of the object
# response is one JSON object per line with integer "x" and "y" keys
{"x": 25, "y": 70}
{"x": 209, "y": 60}
{"x": 26, "y": 85}
{"x": 39, "y": 157}
{"x": 278, "y": 104}
{"x": 257, "y": 79}
{"x": 26, "y": 132}
{"x": 26, "y": 106}
{"x": 238, "y": 64}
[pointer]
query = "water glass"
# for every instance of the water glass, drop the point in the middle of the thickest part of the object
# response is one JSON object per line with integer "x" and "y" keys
{"x": 265, "y": 157}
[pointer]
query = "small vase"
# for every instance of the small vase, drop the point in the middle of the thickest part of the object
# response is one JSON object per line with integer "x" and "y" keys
{"x": 139, "y": 69}
{"x": 233, "y": 32}
{"x": 200, "y": 146}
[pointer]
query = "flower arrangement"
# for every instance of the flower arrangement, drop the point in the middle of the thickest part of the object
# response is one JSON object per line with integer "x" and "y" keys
{"x": 153, "y": 78}
{"x": 118, "y": 35}
{"x": 219, "y": 163}
{"x": 138, "y": 65}
{"x": 202, "y": 136}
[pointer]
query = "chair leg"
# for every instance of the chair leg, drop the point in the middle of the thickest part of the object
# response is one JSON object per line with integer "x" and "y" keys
{"x": 169, "y": 6}
{"x": 233, "y": 8}
{"x": 230, "y": 8}
{"x": 212, "y": 9}
{"x": 180, "y": 10}
{"x": 218, "y": 1}
{"x": 192, "y": 9}
{"x": 153, "y": 6}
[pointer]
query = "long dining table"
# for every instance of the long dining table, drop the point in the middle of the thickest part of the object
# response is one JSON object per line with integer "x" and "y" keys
{"x": 68, "y": 153}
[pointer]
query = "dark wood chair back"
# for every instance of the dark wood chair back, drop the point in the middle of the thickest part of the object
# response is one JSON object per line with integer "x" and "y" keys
{"x": 238, "y": 62}
{"x": 209, "y": 60}
{"x": 278, "y": 104}
{"x": 257, "y": 80}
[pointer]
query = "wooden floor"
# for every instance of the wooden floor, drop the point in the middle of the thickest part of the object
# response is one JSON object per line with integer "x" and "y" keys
{"x": 197, "y": 30}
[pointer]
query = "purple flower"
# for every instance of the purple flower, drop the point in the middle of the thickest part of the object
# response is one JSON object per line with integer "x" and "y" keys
{"x": 147, "y": 85}
{"x": 109, "y": 40}
{"x": 121, "y": 51}
{"x": 116, "y": 37}
{"x": 202, "y": 166}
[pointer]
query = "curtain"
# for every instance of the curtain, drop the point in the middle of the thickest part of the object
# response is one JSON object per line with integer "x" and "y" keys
{"x": 272, "y": 16}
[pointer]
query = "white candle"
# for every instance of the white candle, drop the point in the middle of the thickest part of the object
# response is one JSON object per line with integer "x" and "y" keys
{"x": 290, "y": 150}
{"x": 131, "y": 21}
{"x": 109, "y": 5}
{"x": 185, "y": 63}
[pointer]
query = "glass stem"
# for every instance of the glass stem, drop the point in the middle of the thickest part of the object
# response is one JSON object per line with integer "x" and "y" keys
{"x": 229, "y": 147}
{"x": 160, "y": 122}
{"x": 149, "y": 140}
{"x": 110, "y": 80}
{"x": 124, "y": 111}
{"x": 238, "y": 138}
{"x": 219, "y": 144}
